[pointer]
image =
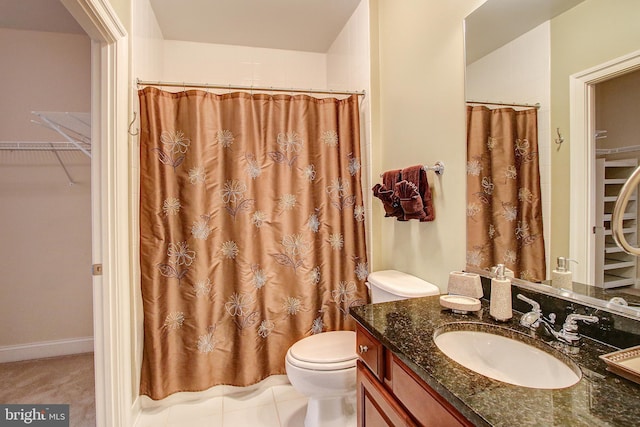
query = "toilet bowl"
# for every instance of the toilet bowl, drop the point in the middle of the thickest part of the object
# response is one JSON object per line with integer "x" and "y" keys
{"x": 323, "y": 368}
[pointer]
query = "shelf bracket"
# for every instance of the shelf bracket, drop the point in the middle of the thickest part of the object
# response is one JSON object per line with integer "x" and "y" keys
{"x": 64, "y": 168}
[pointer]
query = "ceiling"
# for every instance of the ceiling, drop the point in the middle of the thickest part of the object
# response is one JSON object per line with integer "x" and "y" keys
{"x": 304, "y": 25}
{"x": 497, "y": 22}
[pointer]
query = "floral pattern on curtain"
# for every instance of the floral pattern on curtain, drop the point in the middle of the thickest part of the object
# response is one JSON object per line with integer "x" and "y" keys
{"x": 251, "y": 232}
{"x": 504, "y": 210}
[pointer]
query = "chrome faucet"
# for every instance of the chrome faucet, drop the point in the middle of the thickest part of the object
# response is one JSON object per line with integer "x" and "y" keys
{"x": 569, "y": 332}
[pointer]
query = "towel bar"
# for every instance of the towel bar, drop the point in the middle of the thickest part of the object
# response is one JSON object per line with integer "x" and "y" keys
{"x": 438, "y": 168}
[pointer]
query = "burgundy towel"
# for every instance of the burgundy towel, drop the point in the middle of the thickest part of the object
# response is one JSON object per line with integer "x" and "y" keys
{"x": 410, "y": 200}
{"x": 385, "y": 192}
{"x": 420, "y": 208}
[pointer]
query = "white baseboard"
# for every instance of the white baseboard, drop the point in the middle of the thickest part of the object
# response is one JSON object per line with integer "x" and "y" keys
{"x": 42, "y": 349}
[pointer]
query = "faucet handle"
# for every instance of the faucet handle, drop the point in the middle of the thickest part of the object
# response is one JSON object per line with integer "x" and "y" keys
{"x": 534, "y": 305}
{"x": 569, "y": 331}
{"x": 532, "y": 318}
{"x": 570, "y": 324}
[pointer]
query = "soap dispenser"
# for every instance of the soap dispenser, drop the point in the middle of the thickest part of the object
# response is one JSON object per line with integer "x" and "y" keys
{"x": 561, "y": 277}
{"x": 500, "y": 304}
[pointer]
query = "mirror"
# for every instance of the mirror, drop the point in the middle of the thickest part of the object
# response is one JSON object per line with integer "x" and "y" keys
{"x": 538, "y": 50}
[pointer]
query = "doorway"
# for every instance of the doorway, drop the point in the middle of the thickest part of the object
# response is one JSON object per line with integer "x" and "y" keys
{"x": 584, "y": 225}
{"x": 45, "y": 183}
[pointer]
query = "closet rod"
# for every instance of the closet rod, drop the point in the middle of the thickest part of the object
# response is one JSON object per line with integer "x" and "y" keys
{"x": 39, "y": 149}
{"x": 536, "y": 105}
{"x": 249, "y": 88}
{"x": 38, "y": 146}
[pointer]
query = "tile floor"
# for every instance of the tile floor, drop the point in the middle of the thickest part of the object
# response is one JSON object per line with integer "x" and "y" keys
{"x": 271, "y": 403}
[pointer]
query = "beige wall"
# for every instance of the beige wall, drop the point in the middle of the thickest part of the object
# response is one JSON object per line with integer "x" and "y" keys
{"x": 146, "y": 43}
{"x": 38, "y": 69}
{"x": 421, "y": 119}
{"x": 242, "y": 65}
{"x": 618, "y": 112}
{"x": 591, "y": 33}
{"x": 45, "y": 231}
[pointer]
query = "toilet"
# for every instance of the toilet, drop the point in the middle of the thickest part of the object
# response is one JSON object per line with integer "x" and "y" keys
{"x": 393, "y": 285}
{"x": 323, "y": 366}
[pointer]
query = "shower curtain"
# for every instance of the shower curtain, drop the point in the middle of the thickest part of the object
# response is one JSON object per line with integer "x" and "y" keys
{"x": 504, "y": 212}
{"x": 251, "y": 232}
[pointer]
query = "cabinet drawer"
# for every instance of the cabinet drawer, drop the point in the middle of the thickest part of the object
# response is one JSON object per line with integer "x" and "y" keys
{"x": 370, "y": 351}
{"x": 421, "y": 401}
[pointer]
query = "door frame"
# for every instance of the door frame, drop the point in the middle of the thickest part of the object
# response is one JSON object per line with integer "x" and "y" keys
{"x": 110, "y": 172}
{"x": 582, "y": 160}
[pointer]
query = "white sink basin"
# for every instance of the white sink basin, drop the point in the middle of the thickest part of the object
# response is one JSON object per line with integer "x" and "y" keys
{"x": 505, "y": 359}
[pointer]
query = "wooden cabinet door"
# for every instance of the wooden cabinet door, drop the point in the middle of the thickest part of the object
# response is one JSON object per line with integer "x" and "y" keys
{"x": 391, "y": 395}
{"x": 376, "y": 406}
{"x": 425, "y": 405}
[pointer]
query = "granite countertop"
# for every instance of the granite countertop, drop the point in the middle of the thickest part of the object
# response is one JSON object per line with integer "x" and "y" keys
{"x": 600, "y": 398}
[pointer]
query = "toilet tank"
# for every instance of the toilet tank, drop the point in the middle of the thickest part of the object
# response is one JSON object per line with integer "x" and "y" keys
{"x": 393, "y": 285}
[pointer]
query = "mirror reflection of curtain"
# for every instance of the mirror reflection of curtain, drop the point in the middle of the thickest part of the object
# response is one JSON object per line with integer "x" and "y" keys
{"x": 251, "y": 232}
{"x": 504, "y": 211}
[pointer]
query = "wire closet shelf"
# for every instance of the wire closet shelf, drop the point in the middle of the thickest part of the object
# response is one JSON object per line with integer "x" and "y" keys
{"x": 73, "y": 128}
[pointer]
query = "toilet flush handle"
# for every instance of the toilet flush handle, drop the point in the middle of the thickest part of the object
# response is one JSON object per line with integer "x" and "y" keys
{"x": 363, "y": 348}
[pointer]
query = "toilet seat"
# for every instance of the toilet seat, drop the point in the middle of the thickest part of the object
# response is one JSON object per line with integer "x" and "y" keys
{"x": 327, "y": 351}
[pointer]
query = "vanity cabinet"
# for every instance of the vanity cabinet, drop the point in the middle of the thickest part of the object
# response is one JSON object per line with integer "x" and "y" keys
{"x": 391, "y": 394}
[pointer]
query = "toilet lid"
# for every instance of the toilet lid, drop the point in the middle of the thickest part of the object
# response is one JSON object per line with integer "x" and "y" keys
{"x": 402, "y": 284}
{"x": 326, "y": 347}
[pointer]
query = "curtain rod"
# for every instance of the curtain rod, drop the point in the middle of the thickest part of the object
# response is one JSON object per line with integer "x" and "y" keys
{"x": 250, "y": 88}
{"x": 536, "y": 105}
